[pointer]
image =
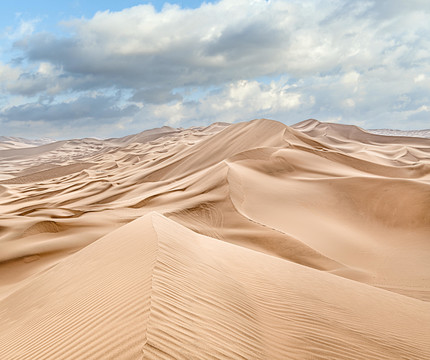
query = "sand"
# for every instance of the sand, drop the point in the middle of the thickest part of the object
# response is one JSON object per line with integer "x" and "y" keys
{"x": 247, "y": 241}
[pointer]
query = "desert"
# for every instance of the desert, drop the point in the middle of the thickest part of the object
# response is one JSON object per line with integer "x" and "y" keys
{"x": 252, "y": 240}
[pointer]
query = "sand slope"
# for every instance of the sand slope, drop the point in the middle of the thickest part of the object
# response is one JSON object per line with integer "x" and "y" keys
{"x": 165, "y": 292}
{"x": 249, "y": 241}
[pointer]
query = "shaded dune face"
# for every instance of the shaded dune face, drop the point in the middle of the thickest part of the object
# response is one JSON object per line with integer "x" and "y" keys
{"x": 249, "y": 241}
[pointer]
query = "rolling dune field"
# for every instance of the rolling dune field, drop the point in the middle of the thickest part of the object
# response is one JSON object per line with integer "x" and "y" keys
{"x": 254, "y": 240}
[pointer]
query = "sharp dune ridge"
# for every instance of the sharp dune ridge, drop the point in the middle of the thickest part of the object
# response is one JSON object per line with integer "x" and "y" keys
{"x": 253, "y": 240}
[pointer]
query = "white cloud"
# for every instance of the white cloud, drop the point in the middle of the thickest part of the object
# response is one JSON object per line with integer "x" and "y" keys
{"x": 236, "y": 101}
{"x": 8, "y": 74}
{"x": 349, "y": 103}
{"x": 351, "y": 78}
{"x": 419, "y": 78}
{"x": 25, "y": 28}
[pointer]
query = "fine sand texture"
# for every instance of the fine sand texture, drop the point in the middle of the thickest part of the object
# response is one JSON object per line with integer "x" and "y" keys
{"x": 247, "y": 241}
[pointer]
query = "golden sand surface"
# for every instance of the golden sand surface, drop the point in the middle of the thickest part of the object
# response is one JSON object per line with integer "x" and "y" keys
{"x": 247, "y": 241}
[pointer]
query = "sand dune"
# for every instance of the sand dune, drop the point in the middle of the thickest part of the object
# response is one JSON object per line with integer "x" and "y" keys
{"x": 249, "y": 241}
{"x": 7, "y": 142}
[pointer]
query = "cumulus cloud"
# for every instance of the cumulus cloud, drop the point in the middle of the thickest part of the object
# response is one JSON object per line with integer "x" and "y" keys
{"x": 237, "y": 101}
{"x": 139, "y": 47}
{"x": 214, "y": 44}
{"x": 360, "y": 62}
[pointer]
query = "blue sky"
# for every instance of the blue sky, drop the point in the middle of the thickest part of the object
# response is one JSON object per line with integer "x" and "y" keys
{"x": 54, "y": 11}
{"x": 110, "y": 68}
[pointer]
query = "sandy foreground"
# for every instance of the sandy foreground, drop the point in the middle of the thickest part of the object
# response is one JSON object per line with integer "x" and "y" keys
{"x": 249, "y": 241}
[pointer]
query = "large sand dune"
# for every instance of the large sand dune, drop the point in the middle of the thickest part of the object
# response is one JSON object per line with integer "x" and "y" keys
{"x": 249, "y": 241}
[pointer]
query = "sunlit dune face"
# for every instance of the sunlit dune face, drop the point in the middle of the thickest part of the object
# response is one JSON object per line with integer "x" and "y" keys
{"x": 254, "y": 240}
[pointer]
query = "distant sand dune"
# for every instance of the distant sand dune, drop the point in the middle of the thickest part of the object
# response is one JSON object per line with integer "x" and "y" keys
{"x": 247, "y": 241}
{"x": 55, "y": 172}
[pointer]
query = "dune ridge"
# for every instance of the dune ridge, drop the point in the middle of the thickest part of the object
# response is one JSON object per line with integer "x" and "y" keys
{"x": 253, "y": 240}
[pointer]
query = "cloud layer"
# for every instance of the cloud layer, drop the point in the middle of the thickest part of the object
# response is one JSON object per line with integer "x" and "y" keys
{"x": 366, "y": 63}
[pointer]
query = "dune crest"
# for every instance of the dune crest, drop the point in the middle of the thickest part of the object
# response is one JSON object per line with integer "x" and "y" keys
{"x": 253, "y": 240}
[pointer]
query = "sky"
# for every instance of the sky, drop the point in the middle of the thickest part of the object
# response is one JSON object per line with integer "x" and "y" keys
{"x": 111, "y": 68}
